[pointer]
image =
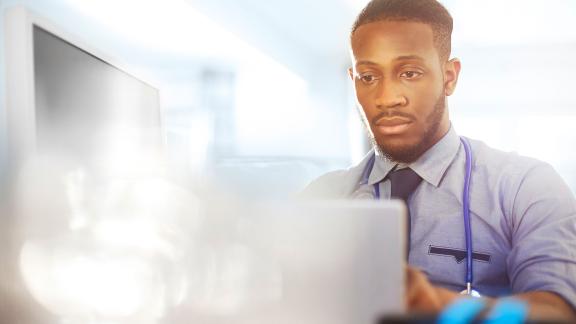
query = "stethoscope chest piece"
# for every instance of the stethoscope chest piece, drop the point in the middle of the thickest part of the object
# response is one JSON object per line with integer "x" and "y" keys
{"x": 470, "y": 292}
{"x": 473, "y": 293}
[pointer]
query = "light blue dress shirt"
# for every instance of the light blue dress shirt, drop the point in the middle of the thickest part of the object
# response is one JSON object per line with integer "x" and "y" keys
{"x": 523, "y": 218}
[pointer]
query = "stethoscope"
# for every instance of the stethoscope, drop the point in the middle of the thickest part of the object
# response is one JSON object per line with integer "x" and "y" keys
{"x": 465, "y": 211}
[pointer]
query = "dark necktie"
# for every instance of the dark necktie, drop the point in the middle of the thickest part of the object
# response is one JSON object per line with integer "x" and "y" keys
{"x": 403, "y": 183}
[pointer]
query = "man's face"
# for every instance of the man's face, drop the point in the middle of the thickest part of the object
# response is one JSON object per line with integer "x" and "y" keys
{"x": 401, "y": 85}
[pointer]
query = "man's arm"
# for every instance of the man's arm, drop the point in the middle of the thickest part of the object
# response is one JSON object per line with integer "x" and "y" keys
{"x": 423, "y": 297}
{"x": 547, "y": 305}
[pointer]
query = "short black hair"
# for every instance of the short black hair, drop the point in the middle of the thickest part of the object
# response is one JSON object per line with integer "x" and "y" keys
{"x": 429, "y": 12}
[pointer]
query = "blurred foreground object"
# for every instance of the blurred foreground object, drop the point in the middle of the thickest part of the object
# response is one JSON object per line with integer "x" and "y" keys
{"x": 101, "y": 248}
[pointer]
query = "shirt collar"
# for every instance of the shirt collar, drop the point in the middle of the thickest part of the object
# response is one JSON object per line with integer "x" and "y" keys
{"x": 431, "y": 166}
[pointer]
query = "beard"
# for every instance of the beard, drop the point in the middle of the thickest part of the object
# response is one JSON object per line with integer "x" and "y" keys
{"x": 410, "y": 153}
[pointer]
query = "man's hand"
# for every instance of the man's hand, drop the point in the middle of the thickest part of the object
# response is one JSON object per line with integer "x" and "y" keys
{"x": 545, "y": 305}
{"x": 423, "y": 297}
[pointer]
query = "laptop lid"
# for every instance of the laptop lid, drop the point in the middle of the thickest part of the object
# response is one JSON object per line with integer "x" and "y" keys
{"x": 322, "y": 262}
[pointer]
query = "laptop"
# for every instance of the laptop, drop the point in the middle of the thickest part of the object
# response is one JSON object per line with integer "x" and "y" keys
{"x": 321, "y": 262}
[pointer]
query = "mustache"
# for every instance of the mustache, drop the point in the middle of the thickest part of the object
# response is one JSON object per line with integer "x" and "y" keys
{"x": 392, "y": 113}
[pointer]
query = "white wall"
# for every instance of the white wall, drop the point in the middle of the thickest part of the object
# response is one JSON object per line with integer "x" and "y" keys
{"x": 282, "y": 101}
{"x": 516, "y": 91}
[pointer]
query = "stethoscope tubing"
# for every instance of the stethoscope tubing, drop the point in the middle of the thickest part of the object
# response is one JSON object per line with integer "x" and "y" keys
{"x": 466, "y": 211}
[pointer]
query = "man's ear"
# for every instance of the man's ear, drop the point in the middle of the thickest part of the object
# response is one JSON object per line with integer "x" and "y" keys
{"x": 351, "y": 73}
{"x": 451, "y": 72}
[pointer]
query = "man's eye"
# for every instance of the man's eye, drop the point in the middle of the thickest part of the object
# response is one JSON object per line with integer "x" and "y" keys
{"x": 410, "y": 75}
{"x": 368, "y": 78}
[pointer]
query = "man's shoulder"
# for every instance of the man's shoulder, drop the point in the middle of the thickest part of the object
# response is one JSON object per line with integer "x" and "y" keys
{"x": 489, "y": 158}
{"x": 336, "y": 184}
{"x": 511, "y": 171}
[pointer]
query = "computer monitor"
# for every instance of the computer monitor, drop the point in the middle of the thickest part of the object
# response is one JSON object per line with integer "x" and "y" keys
{"x": 62, "y": 98}
{"x": 65, "y": 98}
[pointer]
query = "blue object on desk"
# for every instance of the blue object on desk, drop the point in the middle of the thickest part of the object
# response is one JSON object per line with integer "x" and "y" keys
{"x": 508, "y": 311}
{"x": 462, "y": 311}
{"x": 466, "y": 310}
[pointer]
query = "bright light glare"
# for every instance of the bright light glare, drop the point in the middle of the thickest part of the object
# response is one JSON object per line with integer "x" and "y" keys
{"x": 274, "y": 101}
{"x": 551, "y": 147}
{"x": 101, "y": 247}
{"x": 516, "y": 133}
{"x": 165, "y": 26}
{"x": 124, "y": 153}
{"x": 75, "y": 190}
{"x": 131, "y": 234}
{"x": 512, "y": 22}
{"x": 71, "y": 283}
{"x": 117, "y": 287}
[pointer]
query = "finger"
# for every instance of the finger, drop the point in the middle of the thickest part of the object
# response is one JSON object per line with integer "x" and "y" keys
{"x": 421, "y": 296}
{"x": 415, "y": 280}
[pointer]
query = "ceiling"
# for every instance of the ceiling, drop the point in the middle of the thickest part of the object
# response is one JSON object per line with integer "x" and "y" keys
{"x": 309, "y": 37}
{"x": 319, "y": 28}
{"x": 305, "y": 36}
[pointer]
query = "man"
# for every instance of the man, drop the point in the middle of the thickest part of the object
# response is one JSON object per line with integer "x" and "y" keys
{"x": 523, "y": 215}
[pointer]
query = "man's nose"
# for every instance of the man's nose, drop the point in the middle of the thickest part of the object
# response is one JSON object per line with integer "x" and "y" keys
{"x": 389, "y": 95}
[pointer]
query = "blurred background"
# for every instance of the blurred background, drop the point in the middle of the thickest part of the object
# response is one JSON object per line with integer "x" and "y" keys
{"x": 256, "y": 92}
{"x": 255, "y": 101}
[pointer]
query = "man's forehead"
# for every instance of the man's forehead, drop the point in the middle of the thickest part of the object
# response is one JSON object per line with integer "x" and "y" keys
{"x": 393, "y": 41}
{"x": 404, "y": 28}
